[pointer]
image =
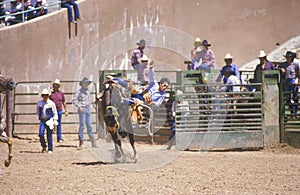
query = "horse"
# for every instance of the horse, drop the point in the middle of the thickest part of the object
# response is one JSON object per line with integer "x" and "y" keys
{"x": 117, "y": 118}
{"x": 6, "y": 85}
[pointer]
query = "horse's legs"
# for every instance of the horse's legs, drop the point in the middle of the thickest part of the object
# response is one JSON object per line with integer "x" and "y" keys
{"x": 8, "y": 161}
{"x": 131, "y": 139}
{"x": 118, "y": 145}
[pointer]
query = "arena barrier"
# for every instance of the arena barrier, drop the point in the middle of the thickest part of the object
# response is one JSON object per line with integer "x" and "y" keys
{"x": 289, "y": 123}
{"x": 26, "y": 96}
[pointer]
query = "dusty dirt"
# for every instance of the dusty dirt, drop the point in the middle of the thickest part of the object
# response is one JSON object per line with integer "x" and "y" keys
{"x": 71, "y": 171}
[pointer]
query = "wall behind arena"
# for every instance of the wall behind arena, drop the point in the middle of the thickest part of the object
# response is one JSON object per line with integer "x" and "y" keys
{"x": 41, "y": 50}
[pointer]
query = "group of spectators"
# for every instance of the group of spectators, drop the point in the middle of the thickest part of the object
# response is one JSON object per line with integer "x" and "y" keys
{"x": 203, "y": 59}
{"x": 50, "y": 111}
{"x": 11, "y": 13}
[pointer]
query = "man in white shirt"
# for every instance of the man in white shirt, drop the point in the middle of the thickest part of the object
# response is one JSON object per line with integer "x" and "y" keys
{"x": 231, "y": 81}
{"x": 46, "y": 111}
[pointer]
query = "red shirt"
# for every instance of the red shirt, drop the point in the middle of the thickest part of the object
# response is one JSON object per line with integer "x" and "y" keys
{"x": 58, "y": 98}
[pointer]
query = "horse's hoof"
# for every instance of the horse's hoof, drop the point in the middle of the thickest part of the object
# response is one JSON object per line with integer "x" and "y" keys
{"x": 7, "y": 163}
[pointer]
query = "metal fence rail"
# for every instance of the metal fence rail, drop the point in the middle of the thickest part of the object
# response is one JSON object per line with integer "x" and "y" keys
{"x": 26, "y": 95}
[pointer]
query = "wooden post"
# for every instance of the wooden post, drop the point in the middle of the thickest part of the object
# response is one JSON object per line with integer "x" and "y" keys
{"x": 9, "y": 108}
{"x": 271, "y": 105}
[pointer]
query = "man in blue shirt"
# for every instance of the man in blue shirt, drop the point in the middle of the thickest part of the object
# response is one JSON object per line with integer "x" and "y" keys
{"x": 290, "y": 72}
{"x": 228, "y": 66}
{"x": 155, "y": 92}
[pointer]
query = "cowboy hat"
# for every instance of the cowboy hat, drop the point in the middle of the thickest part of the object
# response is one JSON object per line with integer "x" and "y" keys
{"x": 228, "y": 56}
{"x": 56, "y": 81}
{"x": 262, "y": 54}
{"x": 145, "y": 58}
{"x": 289, "y": 54}
{"x": 142, "y": 43}
{"x": 45, "y": 92}
{"x": 85, "y": 80}
{"x": 205, "y": 43}
{"x": 197, "y": 40}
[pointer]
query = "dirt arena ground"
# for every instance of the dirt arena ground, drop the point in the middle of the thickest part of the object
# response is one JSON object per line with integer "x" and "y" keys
{"x": 72, "y": 171}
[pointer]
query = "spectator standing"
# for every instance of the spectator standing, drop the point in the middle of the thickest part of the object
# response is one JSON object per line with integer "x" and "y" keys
{"x": 264, "y": 64}
{"x": 228, "y": 66}
{"x": 136, "y": 58}
{"x": 82, "y": 101}
{"x": 68, "y": 4}
{"x": 290, "y": 73}
{"x": 47, "y": 114}
{"x": 205, "y": 60}
{"x": 58, "y": 98}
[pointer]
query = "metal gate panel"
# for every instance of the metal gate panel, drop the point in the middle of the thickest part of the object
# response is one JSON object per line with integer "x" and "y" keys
{"x": 211, "y": 119}
{"x": 26, "y": 96}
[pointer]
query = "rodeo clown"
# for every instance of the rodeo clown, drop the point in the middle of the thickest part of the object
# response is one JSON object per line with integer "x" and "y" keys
{"x": 47, "y": 114}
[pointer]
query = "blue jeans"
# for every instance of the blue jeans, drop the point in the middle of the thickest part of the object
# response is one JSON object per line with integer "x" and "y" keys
{"x": 140, "y": 71}
{"x": 291, "y": 89}
{"x": 43, "y": 126}
{"x": 203, "y": 67}
{"x": 59, "y": 131}
{"x": 85, "y": 119}
{"x": 69, "y": 7}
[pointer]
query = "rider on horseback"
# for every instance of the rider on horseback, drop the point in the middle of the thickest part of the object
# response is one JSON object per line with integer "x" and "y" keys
{"x": 154, "y": 94}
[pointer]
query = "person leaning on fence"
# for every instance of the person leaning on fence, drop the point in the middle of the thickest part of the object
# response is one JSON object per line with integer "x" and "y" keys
{"x": 264, "y": 64}
{"x": 82, "y": 101}
{"x": 47, "y": 114}
{"x": 228, "y": 66}
{"x": 232, "y": 80}
{"x": 136, "y": 58}
{"x": 68, "y": 4}
{"x": 205, "y": 59}
{"x": 58, "y": 98}
{"x": 290, "y": 72}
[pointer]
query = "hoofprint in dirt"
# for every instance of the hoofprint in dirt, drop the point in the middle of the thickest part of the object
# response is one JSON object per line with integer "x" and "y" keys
{"x": 72, "y": 171}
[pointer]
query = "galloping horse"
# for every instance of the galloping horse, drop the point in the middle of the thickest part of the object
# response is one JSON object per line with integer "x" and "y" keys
{"x": 6, "y": 85}
{"x": 117, "y": 117}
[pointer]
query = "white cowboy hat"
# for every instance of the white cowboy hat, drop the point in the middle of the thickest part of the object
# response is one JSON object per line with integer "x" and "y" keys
{"x": 45, "y": 92}
{"x": 145, "y": 58}
{"x": 262, "y": 54}
{"x": 56, "y": 81}
{"x": 228, "y": 56}
{"x": 197, "y": 40}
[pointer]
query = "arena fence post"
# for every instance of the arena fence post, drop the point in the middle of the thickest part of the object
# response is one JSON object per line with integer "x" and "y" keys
{"x": 271, "y": 108}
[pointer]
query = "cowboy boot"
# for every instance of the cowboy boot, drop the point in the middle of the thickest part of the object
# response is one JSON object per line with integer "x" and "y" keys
{"x": 80, "y": 144}
{"x": 94, "y": 145}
